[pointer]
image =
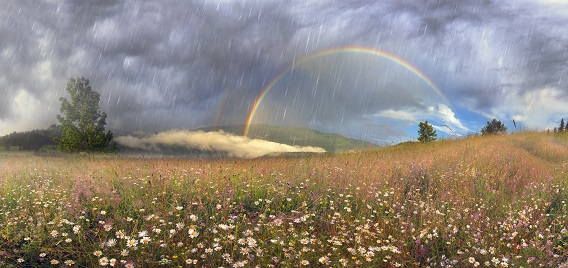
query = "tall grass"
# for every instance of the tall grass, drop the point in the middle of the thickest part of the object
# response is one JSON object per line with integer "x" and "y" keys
{"x": 491, "y": 201}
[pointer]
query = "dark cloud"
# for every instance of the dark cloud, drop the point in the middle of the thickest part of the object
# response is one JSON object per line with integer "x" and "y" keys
{"x": 184, "y": 64}
{"x": 330, "y": 90}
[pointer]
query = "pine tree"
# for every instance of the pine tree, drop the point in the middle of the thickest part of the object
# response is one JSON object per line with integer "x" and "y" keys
{"x": 494, "y": 127}
{"x": 562, "y": 126}
{"x": 426, "y": 132}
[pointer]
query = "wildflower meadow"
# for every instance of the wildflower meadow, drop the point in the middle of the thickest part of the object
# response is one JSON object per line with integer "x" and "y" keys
{"x": 495, "y": 201}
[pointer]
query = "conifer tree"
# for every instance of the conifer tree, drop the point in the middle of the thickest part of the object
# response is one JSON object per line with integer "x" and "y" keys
{"x": 494, "y": 127}
{"x": 426, "y": 132}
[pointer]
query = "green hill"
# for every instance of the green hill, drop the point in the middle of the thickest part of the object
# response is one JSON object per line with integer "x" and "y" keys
{"x": 331, "y": 142}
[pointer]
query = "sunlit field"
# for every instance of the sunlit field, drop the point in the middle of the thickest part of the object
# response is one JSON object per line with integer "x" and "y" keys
{"x": 477, "y": 202}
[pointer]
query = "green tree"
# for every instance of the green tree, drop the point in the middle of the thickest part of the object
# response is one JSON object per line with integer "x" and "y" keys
{"x": 29, "y": 140}
{"x": 426, "y": 132}
{"x": 494, "y": 127}
{"x": 562, "y": 126}
{"x": 82, "y": 123}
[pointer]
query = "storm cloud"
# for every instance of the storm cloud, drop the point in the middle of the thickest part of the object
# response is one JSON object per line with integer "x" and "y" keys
{"x": 170, "y": 64}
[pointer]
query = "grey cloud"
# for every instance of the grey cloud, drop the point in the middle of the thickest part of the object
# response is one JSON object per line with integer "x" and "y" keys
{"x": 22, "y": 49}
{"x": 437, "y": 18}
{"x": 328, "y": 91}
{"x": 179, "y": 64}
{"x": 517, "y": 49}
{"x": 548, "y": 59}
{"x": 158, "y": 55}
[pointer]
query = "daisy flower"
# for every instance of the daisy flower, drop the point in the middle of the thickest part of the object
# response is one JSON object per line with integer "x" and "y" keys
{"x": 193, "y": 233}
{"x": 324, "y": 260}
{"x": 145, "y": 240}
{"x": 111, "y": 243}
{"x": 120, "y": 234}
{"x": 131, "y": 243}
{"x": 103, "y": 261}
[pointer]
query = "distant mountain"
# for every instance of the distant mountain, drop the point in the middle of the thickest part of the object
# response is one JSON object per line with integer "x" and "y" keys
{"x": 299, "y": 136}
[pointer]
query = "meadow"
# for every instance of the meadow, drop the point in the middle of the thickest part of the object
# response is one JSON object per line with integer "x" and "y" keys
{"x": 475, "y": 202}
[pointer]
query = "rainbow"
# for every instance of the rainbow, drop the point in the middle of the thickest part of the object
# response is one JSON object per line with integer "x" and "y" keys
{"x": 350, "y": 49}
{"x": 220, "y": 109}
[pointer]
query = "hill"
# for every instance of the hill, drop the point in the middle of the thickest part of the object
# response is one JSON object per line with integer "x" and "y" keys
{"x": 300, "y": 136}
{"x": 496, "y": 201}
{"x": 34, "y": 140}
{"x": 228, "y": 141}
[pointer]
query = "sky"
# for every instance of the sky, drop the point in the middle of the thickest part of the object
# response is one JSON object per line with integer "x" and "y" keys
{"x": 364, "y": 68}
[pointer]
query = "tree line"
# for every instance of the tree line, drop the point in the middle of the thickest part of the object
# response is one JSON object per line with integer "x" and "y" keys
{"x": 427, "y": 133}
{"x": 563, "y": 127}
{"x": 81, "y": 125}
{"x": 33, "y": 140}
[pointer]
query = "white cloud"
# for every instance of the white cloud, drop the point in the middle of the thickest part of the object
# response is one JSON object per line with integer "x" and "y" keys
{"x": 562, "y": 2}
{"x": 544, "y": 9}
{"x": 236, "y": 146}
{"x": 27, "y": 113}
{"x": 43, "y": 71}
{"x": 538, "y": 109}
{"x": 406, "y": 115}
{"x": 449, "y": 117}
{"x": 551, "y": 2}
{"x": 25, "y": 105}
{"x": 441, "y": 116}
